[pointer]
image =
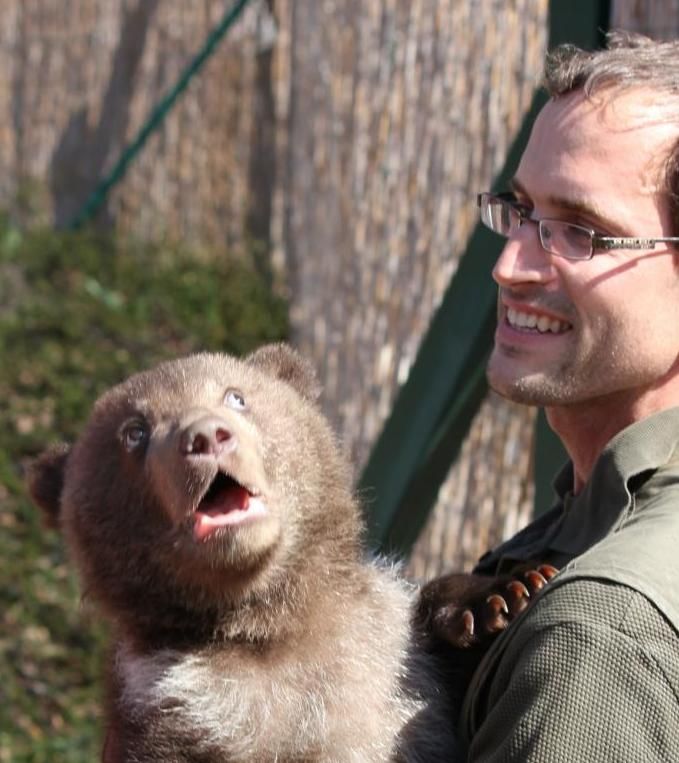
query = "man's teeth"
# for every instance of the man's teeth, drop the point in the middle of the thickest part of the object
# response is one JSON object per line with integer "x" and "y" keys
{"x": 532, "y": 321}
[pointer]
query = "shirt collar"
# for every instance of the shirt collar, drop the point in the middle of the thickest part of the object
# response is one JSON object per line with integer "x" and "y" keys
{"x": 606, "y": 499}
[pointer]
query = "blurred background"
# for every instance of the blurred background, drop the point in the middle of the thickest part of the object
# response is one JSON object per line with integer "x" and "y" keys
{"x": 313, "y": 179}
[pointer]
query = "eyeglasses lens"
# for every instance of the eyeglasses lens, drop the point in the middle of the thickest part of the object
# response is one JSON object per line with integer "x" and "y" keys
{"x": 560, "y": 238}
{"x": 565, "y": 239}
{"x": 498, "y": 215}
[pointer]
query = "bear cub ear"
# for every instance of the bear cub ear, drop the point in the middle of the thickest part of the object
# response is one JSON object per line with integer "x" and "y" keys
{"x": 286, "y": 364}
{"x": 45, "y": 481}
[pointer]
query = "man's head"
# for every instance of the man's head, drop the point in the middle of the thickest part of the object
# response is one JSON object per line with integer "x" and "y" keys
{"x": 601, "y": 155}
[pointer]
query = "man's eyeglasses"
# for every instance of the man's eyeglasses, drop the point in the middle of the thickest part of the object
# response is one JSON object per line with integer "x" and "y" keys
{"x": 503, "y": 214}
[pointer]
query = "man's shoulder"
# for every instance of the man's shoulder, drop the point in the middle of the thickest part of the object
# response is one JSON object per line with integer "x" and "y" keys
{"x": 584, "y": 643}
{"x": 596, "y": 626}
{"x": 639, "y": 556}
{"x": 602, "y": 607}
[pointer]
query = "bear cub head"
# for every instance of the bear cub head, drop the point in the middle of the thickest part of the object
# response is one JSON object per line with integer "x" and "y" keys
{"x": 203, "y": 484}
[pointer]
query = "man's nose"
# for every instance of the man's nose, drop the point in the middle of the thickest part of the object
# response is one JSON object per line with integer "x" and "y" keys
{"x": 523, "y": 260}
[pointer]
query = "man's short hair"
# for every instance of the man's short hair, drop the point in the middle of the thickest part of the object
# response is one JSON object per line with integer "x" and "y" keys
{"x": 629, "y": 61}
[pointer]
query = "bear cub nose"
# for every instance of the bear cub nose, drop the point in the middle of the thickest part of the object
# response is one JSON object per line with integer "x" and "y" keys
{"x": 207, "y": 436}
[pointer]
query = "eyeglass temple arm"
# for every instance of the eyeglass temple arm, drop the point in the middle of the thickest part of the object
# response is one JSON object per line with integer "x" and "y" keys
{"x": 609, "y": 242}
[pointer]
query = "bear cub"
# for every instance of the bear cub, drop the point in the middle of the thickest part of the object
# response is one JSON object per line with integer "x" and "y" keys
{"x": 210, "y": 515}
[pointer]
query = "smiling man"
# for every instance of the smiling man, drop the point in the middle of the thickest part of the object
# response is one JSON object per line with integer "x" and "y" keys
{"x": 588, "y": 328}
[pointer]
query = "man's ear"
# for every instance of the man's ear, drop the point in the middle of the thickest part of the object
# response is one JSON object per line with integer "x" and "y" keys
{"x": 45, "y": 481}
{"x": 286, "y": 364}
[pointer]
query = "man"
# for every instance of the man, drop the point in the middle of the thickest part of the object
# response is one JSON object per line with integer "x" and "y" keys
{"x": 588, "y": 327}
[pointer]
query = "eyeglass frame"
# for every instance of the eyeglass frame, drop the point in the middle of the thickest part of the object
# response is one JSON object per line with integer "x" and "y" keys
{"x": 602, "y": 243}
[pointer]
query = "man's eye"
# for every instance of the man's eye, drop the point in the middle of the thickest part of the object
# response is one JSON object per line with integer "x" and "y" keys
{"x": 523, "y": 207}
{"x": 234, "y": 399}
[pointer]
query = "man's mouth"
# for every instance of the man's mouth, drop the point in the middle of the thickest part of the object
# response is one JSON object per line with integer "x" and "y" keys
{"x": 536, "y": 322}
{"x": 226, "y": 503}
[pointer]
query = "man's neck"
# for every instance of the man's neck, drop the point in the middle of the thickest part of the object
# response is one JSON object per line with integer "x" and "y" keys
{"x": 586, "y": 428}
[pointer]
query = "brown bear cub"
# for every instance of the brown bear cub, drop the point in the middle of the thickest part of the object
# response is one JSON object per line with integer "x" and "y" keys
{"x": 211, "y": 518}
{"x": 210, "y": 515}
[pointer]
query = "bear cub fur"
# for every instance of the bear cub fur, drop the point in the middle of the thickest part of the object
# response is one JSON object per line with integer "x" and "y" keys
{"x": 210, "y": 515}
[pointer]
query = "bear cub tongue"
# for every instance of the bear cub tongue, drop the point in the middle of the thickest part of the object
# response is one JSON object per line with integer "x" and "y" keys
{"x": 228, "y": 507}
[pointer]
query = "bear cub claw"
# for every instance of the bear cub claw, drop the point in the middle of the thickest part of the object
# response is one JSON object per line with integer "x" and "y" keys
{"x": 468, "y": 611}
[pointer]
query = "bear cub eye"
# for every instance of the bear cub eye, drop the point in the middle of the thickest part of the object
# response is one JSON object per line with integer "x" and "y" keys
{"x": 234, "y": 399}
{"x": 134, "y": 434}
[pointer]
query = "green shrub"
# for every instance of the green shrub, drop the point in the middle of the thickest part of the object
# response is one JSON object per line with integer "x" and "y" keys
{"x": 78, "y": 313}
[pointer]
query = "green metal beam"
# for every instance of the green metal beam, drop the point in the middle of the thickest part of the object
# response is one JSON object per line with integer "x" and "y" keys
{"x": 446, "y": 385}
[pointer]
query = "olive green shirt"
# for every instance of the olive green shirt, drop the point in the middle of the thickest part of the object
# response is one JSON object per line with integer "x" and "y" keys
{"x": 590, "y": 672}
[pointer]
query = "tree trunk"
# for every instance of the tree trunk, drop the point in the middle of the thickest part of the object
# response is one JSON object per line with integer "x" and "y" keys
{"x": 399, "y": 112}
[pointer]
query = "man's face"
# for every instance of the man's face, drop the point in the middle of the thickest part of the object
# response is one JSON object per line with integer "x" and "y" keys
{"x": 609, "y": 324}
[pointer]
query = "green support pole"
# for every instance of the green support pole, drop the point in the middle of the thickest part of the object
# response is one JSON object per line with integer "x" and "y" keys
{"x": 446, "y": 385}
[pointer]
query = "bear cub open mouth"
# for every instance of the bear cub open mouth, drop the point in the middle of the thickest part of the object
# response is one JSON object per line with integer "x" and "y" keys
{"x": 226, "y": 503}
